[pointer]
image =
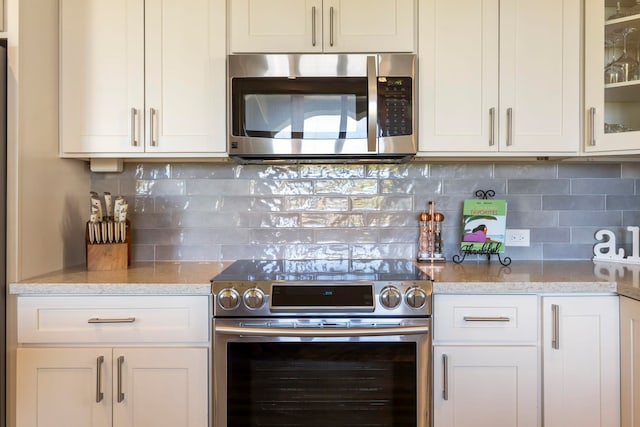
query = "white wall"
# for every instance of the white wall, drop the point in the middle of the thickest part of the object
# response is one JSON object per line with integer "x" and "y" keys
{"x": 47, "y": 196}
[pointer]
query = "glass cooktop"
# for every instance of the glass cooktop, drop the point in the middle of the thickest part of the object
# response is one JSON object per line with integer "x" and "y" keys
{"x": 321, "y": 270}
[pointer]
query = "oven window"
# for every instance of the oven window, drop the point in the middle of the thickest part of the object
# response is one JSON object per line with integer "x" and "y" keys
{"x": 322, "y": 384}
{"x": 309, "y": 108}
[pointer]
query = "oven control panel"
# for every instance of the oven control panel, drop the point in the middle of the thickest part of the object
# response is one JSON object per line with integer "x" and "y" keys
{"x": 359, "y": 298}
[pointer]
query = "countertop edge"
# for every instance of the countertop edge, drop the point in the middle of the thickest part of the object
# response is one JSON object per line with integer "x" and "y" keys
{"x": 205, "y": 288}
{"x": 551, "y": 287}
{"x": 110, "y": 289}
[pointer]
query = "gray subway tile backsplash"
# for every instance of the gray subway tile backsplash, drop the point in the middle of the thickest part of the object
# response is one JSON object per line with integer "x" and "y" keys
{"x": 589, "y": 170}
{"x": 573, "y": 203}
{"x": 224, "y": 211}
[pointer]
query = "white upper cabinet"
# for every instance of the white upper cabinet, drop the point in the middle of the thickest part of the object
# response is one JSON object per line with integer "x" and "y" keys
{"x": 321, "y": 26}
{"x": 612, "y": 85}
{"x": 142, "y": 77}
{"x": 101, "y": 75}
{"x": 499, "y": 77}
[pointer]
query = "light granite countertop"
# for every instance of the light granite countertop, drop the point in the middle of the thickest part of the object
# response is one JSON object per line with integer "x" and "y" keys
{"x": 192, "y": 278}
{"x": 539, "y": 277}
{"x": 175, "y": 278}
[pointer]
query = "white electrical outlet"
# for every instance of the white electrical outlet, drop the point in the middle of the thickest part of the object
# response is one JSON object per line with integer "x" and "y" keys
{"x": 515, "y": 237}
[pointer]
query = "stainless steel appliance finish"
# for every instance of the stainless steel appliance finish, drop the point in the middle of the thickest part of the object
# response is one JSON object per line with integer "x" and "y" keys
{"x": 322, "y": 106}
{"x": 317, "y": 343}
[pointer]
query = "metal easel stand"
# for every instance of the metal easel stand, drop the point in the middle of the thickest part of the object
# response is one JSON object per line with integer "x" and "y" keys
{"x": 490, "y": 251}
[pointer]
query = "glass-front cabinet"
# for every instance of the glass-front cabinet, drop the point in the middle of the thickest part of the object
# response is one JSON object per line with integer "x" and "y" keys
{"x": 612, "y": 76}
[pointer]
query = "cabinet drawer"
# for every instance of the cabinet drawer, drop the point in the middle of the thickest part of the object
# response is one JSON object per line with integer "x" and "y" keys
{"x": 117, "y": 319}
{"x": 485, "y": 318}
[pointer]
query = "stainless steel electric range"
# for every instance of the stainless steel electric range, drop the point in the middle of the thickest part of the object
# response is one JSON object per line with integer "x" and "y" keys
{"x": 322, "y": 342}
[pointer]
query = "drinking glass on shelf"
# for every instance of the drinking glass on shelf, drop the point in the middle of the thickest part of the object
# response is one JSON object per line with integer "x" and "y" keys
{"x": 619, "y": 12}
{"x": 627, "y": 63}
{"x": 613, "y": 73}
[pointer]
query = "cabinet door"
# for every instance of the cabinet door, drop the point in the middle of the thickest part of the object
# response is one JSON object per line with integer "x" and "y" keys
{"x": 101, "y": 76}
{"x": 369, "y": 25}
{"x": 185, "y": 76}
{"x": 458, "y": 51}
{"x": 160, "y": 387}
{"x": 485, "y": 386}
{"x": 491, "y": 81}
{"x": 630, "y": 361}
{"x": 539, "y": 76}
{"x": 612, "y": 113}
{"x": 62, "y": 386}
{"x": 581, "y": 361}
{"x": 275, "y": 26}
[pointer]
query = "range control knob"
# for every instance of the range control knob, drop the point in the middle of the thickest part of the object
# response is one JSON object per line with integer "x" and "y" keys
{"x": 253, "y": 298}
{"x": 416, "y": 297}
{"x": 228, "y": 298}
{"x": 390, "y": 297}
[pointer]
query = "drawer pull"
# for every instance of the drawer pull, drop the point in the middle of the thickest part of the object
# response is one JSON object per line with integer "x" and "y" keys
{"x": 486, "y": 319}
{"x": 112, "y": 320}
{"x": 99, "y": 393}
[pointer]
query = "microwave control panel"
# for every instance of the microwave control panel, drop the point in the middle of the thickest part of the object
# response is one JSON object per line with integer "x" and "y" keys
{"x": 395, "y": 106}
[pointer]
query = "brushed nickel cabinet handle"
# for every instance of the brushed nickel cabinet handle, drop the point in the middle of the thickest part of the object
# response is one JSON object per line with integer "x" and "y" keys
{"x": 486, "y": 319}
{"x": 445, "y": 377}
{"x": 509, "y": 126}
{"x": 492, "y": 126}
{"x": 99, "y": 393}
{"x": 592, "y": 126}
{"x": 331, "y": 26}
{"x": 112, "y": 320}
{"x": 313, "y": 26}
{"x": 134, "y": 127}
{"x": 152, "y": 127}
{"x": 120, "y": 393}
{"x": 555, "y": 326}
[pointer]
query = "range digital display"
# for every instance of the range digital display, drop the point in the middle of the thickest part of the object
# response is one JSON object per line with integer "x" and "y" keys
{"x": 284, "y": 296}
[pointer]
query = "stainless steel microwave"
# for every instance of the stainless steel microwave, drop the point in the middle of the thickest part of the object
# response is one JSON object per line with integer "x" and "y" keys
{"x": 322, "y": 106}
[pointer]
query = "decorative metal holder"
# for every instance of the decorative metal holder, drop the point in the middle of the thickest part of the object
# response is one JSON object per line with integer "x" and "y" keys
{"x": 481, "y": 194}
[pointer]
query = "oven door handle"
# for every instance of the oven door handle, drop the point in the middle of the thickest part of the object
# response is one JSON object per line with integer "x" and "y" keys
{"x": 321, "y": 332}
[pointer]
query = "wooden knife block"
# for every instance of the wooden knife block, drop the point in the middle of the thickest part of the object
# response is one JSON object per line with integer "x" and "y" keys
{"x": 108, "y": 256}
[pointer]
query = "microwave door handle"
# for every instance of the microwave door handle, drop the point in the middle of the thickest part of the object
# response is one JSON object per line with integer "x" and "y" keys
{"x": 320, "y": 332}
{"x": 372, "y": 125}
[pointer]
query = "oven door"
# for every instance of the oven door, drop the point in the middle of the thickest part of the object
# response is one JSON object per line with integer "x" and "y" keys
{"x": 321, "y": 372}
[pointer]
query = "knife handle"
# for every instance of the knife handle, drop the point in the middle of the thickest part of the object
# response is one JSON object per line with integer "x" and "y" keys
{"x": 90, "y": 232}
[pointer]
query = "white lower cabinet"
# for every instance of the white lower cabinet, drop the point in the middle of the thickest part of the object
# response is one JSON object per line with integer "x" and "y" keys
{"x": 103, "y": 387}
{"x": 485, "y": 386}
{"x": 581, "y": 365}
{"x": 630, "y": 362}
{"x": 485, "y": 361}
{"x": 101, "y": 377}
